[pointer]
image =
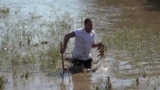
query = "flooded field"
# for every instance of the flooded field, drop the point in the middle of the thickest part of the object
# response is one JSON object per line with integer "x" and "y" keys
{"x": 32, "y": 30}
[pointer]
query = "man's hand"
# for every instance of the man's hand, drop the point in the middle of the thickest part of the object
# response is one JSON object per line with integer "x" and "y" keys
{"x": 62, "y": 49}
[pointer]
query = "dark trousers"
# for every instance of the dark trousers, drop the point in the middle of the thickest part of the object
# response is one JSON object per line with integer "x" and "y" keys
{"x": 85, "y": 63}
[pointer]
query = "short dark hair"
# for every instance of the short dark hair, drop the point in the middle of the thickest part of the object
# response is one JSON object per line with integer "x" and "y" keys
{"x": 87, "y": 20}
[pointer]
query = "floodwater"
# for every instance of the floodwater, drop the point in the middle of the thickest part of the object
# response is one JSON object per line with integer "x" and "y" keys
{"x": 108, "y": 17}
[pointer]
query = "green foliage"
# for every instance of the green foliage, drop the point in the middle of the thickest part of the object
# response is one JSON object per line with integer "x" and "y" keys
{"x": 51, "y": 60}
{"x": 4, "y": 10}
{"x": 30, "y": 43}
{"x": 95, "y": 88}
{"x": 15, "y": 60}
{"x": 24, "y": 75}
{"x": 2, "y": 81}
{"x": 141, "y": 44}
{"x": 53, "y": 57}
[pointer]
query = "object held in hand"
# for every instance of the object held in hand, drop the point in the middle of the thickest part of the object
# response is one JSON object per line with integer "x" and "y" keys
{"x": 100, "y": 49}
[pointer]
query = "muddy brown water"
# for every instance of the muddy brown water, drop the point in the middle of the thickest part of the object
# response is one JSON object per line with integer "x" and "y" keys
{"x": 108, "y": 17}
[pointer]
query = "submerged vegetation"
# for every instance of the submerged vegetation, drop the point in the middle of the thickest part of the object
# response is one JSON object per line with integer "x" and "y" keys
{"x": 139, "y": 44}
{"x": 2, "y": 81}
{"x": 23, "y": 42}
{"x": 28, "y": 43}
{"x": 4, "y": 10}
{"x": 137, "y": 47}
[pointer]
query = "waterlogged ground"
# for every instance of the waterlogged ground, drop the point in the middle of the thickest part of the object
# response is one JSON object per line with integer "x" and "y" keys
{"x": 32, "y": 30}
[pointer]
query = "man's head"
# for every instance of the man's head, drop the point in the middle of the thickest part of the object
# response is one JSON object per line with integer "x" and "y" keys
{"x": 88, "y": 25}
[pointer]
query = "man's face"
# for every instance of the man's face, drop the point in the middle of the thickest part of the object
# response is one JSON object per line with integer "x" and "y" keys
{"x": 88, "y": 27}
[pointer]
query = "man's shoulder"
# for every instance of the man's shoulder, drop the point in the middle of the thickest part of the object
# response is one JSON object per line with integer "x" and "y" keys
{"x": 93, "y": 32}
{"x": 79, "y": 29}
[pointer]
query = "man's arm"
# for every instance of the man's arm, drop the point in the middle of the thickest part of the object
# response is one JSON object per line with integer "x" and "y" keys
{"x": 65, "y": 41}
{"x": 94, "y": 45}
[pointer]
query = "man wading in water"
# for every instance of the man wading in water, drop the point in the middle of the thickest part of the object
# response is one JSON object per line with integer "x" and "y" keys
{"x": 84, "y": 41}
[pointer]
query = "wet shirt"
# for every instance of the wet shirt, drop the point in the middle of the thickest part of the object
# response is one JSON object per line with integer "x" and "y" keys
{"x": 83, "y": 44}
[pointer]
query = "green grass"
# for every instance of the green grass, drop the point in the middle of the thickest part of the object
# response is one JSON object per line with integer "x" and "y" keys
{"x": 2, "y": 81}
{"x": 21, "y": 47}
{"x": 5, "y": 10}
{"x": 51, "y": 60}
{"x": 139, "y": 44}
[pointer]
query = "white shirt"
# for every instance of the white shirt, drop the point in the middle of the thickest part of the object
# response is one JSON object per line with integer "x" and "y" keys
{"x": 83, "y": 44}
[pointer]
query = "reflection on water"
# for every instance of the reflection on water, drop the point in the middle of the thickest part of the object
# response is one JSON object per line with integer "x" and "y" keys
{"x": 38, "y": 80}
{"x": 122, "y": 74}
{"x": 43, "y": 9}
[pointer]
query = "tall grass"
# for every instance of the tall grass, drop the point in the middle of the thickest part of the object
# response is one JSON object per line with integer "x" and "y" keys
{"x": 139, "y": 45}
{"x": 27, "y": 42}
{"x": 4, "y": 10}
{"x": 2, "y": 81}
